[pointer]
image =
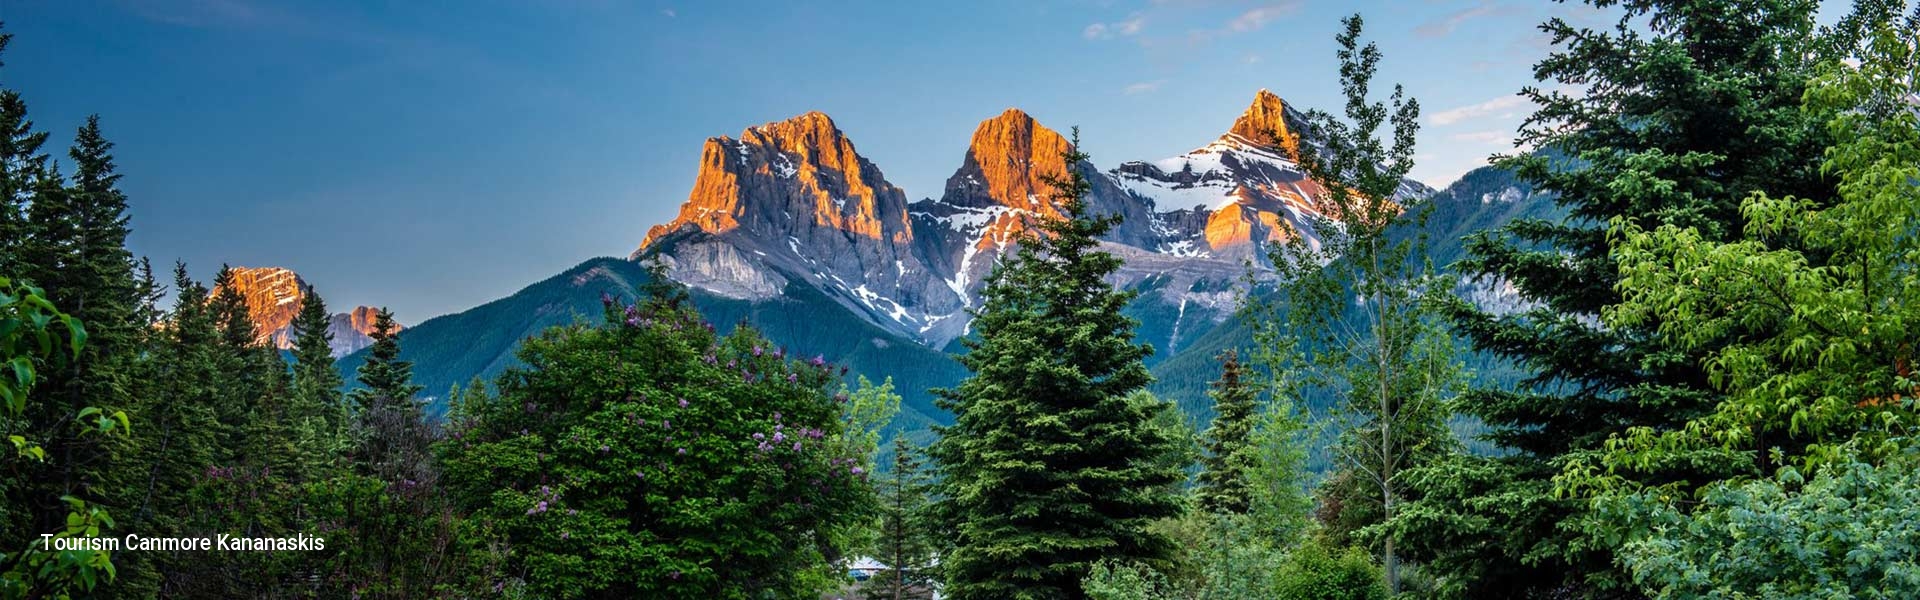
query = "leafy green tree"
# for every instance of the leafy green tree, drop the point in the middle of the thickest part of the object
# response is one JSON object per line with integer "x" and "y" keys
{"x": 1052, "y": 462}
{"x": 1112, "y": 580}
{"x": 1830, "y": 281}
{"x": 1222, "y": 485}
{"x": 1357, "y": 299}
{"x": 31, "y": 330}
{"x": 1782, "y": 537}
{"x": 704, "y": 466}
{"x": 1671, "y": 116}
{"x": 1824, "y": 295}
{"x": 1315, "y": 572}
{"x": 903, "y": 537}
{"x": 1278, "y": 504}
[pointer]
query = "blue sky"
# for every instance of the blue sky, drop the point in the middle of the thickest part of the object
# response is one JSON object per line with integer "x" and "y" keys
{"x": 431, "y": 156}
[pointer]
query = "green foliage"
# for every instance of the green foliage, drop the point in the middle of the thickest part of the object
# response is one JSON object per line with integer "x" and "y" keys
{"x": 1806, "y": 325}
{"x": 904, "y": 541}
{"x": 1357, "y": 301}
{"x": 707, "y": 466}
{"x": 1276, "y": 471}
{"x": 1831, "y": 282}
{"x": 384, "y": 378}
{"x": 315, "y": 411}
{"x": 1670, "y": 116}
{"x": 1112, "y": 580}
{"x": 1223, "y": 484}
{"x": 1850, "y": 531}
{"x": 33, "y": 330}
{"x": 1314, "y": 572}
{"x": 1052, "y": 462}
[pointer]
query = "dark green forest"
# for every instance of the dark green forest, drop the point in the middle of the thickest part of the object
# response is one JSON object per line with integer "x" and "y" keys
{"x": 1697, "y": 381}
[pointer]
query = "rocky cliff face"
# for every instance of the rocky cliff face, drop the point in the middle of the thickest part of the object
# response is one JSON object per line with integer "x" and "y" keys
{"x": 273, "y": 297}
{"x": 352, "y": 330}
{"x": 792, "y": 203}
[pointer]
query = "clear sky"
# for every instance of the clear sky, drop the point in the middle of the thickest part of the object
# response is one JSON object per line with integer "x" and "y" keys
{"x": 431, "y": 156}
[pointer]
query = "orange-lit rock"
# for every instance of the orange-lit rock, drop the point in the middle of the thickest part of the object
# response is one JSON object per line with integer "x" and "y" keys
{"x": 274, "y": 295}
{"x": 801, "y": 168}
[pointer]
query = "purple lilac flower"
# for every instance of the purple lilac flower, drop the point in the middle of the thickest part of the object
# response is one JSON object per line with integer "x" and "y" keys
{"x": 683, "y": 403}
{"x": 796, "y": 446}
{"x": 759, "y": 436}
{"x": 756, "y": 352}
{"x": 682, "y": 452}
{"x": 819, "y": 360}
{"x": 793, "y": 378}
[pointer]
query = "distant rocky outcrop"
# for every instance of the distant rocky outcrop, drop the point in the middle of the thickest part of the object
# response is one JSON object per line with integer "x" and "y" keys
{"x": 273, "y": 297}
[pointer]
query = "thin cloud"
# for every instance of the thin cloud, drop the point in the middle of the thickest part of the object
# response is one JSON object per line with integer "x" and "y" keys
{"x": 669, "y": 13}
{"x": 1101, "y": 31}
{"x": 1258, "y": 18}
{"x": 1445, "y": 25}
{"x": 1144, "y": 87}
{"x": 1503, "y": 106}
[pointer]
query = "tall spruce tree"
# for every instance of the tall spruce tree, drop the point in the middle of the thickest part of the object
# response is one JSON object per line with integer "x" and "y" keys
{"x": 390, "y": 426}
{"x": 76, "y": 250}
{"x": 316, "y": 406}
{"x": 1669, "y": 118}
{"x": 1222, "y": 484}
{"x": 21, "y": 166}
{"x": 1051, "y": 463}
{"x": 384, "y": 378}
{"x": 904, "y": 544}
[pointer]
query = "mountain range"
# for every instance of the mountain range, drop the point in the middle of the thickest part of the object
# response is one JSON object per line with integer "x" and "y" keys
{"x": 790, "y": 228}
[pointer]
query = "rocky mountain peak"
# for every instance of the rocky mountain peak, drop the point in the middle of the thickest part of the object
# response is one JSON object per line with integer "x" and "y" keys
{"x": 1007, "y": 164}
{"x": 352, "y": 330}
{"x": 1268, "y": 121}
{"x": 273, "y": 296}
{"x": 800, "y": 173}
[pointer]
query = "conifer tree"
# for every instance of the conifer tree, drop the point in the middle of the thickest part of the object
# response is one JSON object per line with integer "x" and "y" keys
{"x": 1222, "y": 484}
{"x": 1676, "y": 113}
{"x": 384, "y": 377}
{"x": 1051, "y": 463}
{"x": 76, "y": 251}
{"x": 316, "y": 407}
{"x": 21, "y": 166}
{"x": 904, "y": 545}
{"x": 390, "y": 426}
{"x": 180, "y": 438}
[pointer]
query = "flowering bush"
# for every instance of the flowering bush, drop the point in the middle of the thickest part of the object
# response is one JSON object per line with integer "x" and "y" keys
{"x": 702, "y": 465}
